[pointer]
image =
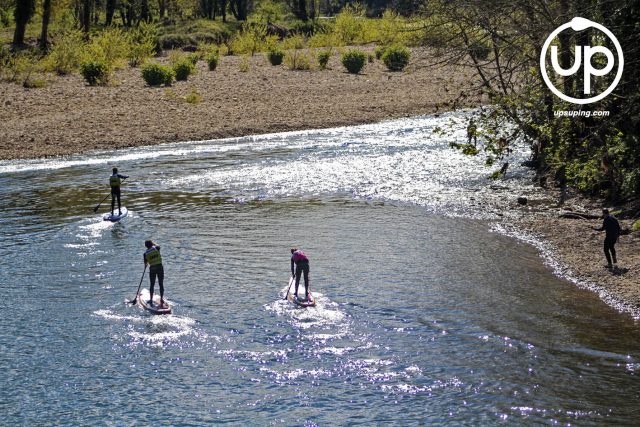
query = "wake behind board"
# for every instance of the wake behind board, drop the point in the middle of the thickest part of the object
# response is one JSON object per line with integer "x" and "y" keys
{"x": 115, "y": 217}
{"x": 155, "y": 308}
{"x": 301, "y": 302}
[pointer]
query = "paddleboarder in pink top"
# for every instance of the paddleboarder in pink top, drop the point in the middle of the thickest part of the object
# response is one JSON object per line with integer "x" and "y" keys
{"x": 301, "y": 263}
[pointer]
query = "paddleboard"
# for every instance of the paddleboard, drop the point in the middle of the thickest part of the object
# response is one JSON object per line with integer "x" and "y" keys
{"x": 155, "y": 308}
{"x": 301, "y": 302}
{"x": 115, "y": 217}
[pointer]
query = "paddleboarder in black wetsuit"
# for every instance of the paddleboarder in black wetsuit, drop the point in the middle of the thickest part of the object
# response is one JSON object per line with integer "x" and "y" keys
{"x": 115, "y": 180}
{"x": 154, "y": 259}
{"x": 611, "y": 227}
{"x": 301, "y": 263}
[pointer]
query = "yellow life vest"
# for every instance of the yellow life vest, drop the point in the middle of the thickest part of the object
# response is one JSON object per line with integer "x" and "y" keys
{"x": 115, "y": 181}
{"x": 153, "y": 256}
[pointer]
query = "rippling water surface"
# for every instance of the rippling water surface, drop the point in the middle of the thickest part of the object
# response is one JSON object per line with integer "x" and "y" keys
{"x": 424, "y": 316}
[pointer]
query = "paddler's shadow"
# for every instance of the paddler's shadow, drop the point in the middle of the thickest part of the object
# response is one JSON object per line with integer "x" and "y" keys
{"x": 617, "y": 271}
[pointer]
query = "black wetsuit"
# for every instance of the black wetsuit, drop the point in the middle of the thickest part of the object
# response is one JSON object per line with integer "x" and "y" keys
{"x": 611, "y": 227}
{"x": 301, "y": 263}
{"x": 115, "y": 193}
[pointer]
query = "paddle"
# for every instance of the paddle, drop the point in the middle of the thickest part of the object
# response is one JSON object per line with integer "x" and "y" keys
{"x": 133, "y": 301}
{"x": 98, "y": 207}
{"x": 288, "y": 289}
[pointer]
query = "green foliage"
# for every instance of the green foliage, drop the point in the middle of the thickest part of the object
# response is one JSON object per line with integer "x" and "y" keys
{"x": 5, "y": 17}
{"x": 296, "y": 58}
{"x": 193, "y": 97}
{"x": 353, "y": 60}
{"x": 396, "y": 58}
{"x": 67, "y": 52}
{"x": 379, "y": 51}
{"x": 467, "y": 149}
{"x": 212, "y": 60}
{"x": 191, "y": 32}
{"x": 143, "y": 43}
{"x": 251, "y": 39}
{"x": 323, "y": 58}
{"x": 390, "y": 28}
{"x": 244, "y": 64}
{"x": 323, "y": 39}
{"x": 18, "y": 67}
{"x": 275, "y": 56}
{"x": 349, "y": 26}
{"x": 636, "y": 226}
{"x": 110, "y": 46}
{"x": 95, "y": 72}
{"x": 157, "y": 75}
{"x": 193, "y": 58}
{"x": 269, "y": 11}
{"x": 183, "y": 69}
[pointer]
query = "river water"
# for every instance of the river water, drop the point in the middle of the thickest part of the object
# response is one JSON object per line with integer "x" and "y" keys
{"x": 425, "y": 316}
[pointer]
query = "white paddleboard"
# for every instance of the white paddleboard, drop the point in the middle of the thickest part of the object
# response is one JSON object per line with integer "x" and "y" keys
{"x": 155, "y": 308}
{"x": 115, "y": 217}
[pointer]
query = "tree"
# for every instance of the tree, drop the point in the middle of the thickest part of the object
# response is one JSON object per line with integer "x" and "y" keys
{"x": 46, "y": 14}
{"x": 110, "y": 8}
{"x": 22, "y": 14}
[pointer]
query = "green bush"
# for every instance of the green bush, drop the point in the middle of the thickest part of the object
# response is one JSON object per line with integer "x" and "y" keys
{"x": 156, "y": 74}
{"x": 354, "y": 60}
{"x": 212, "y": 61}
{"x": 275, "y": 56}
{"x": 95, "y": 72}
{"x": 379, "y": 51}
{"x": 67, "y": 52}
{"x": 396, "y": 58}
{"x": 323, "y": 58}
{"x": 183, "y": 69}
{"x": 193, "y": 58}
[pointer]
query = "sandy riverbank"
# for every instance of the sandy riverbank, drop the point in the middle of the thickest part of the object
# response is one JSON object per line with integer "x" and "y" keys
{"x": 574, "y": 249}
{"x": 69, "y": 117}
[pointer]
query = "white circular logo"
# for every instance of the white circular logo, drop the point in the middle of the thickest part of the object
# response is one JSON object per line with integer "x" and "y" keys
{"x": 580, "y": 24}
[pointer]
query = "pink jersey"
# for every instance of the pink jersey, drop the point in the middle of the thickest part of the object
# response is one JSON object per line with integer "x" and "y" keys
{"x": 299, "y": 256}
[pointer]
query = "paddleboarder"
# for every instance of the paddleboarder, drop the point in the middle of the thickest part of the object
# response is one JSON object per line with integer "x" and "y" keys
{"x": 154, "y": 259}
{"x": 115, "y": 180}
{"x": 611, "y": 227}
{"x": 301, "y": 263}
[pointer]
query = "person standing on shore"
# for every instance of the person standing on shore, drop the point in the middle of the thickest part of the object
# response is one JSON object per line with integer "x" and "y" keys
{"x": 301, "y": 263}
{"x": 115, "y": 180}
{"x": 154, "y": 259}
{"x": 611, "y": 227}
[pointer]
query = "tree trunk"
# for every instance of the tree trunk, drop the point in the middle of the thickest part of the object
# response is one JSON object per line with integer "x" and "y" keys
{"x": 162, "y": 7}
{"x": 86, "y": 15}
{"x": 301, "y": 10}
{"x": 46, "y": 14}
{"x": 22, "y": 13}
{"x": 144, "y": 11}
{"x": 223, "y": 10}
{"x": 110, "y": 9}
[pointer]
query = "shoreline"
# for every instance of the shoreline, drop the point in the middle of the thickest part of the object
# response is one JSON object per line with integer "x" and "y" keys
{"x": 67, "y": 117}
{"x": 574, "y": 251}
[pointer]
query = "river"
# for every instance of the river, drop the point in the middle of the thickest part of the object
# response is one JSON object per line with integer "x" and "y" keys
{"x": 425, "y": 315}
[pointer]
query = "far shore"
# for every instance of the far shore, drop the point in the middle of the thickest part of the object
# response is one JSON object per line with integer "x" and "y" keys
{"x": 68, "y": 117}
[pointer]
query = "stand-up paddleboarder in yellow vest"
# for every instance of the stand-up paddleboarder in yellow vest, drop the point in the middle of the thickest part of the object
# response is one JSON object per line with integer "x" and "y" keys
{"x": 154, "y": 259}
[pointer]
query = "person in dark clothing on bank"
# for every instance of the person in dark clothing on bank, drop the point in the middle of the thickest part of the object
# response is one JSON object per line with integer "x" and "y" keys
{"x": 611, "y": 227}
